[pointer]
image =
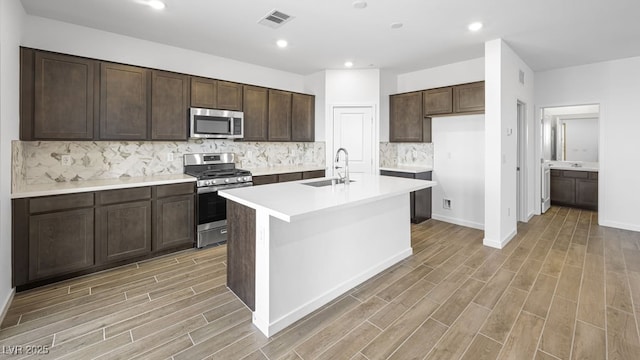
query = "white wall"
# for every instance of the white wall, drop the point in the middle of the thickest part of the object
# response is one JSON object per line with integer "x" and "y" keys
{"x": 458, "y": 136}
{"x": 502, "y": 93}
{"x": 351, "y": 87}
{"x": 450, "y": 74}
{"x": 315, "y": 84}
{"x": 614, "y": 85}
{"x": 11, "y": 19}
{"x": 46, "y": 34}
{"x": 458, "y": 167}
{"x": 388, "y": 86}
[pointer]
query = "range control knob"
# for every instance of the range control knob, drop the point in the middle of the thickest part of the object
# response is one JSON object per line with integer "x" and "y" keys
{"x": 226, "y": 180}
{"x": 240, "y": 179}
{"x": 247, "y": 178}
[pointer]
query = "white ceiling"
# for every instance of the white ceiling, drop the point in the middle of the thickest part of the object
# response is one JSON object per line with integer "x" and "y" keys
{"x": 547, "y": 34}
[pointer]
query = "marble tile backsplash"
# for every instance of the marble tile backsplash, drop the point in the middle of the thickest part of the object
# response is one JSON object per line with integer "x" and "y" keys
{"x": 416, "y": 154}
{"x": 39, "y": 162}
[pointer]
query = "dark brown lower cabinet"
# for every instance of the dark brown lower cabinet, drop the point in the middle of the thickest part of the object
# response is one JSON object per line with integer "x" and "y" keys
{"x": 62, "y": 236}
{"x": 60, "y": 242}
{"x": 574, "y": 189}
{"x": 241, "y": 252}
{"x": 124, "y": 231}
{"x": 276, "y": 178}
{"x": 420, "y": 200}
{"x": 174, "y": 216}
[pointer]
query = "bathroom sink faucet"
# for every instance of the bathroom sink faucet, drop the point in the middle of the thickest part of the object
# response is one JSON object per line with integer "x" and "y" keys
{"x": 344, "y": 178}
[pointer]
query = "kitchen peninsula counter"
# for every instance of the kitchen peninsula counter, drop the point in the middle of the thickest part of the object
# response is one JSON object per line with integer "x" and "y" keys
{"x": 293, "y": 248}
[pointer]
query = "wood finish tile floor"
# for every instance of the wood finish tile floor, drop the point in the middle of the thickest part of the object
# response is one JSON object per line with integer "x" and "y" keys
{"x": 564, "y": 288}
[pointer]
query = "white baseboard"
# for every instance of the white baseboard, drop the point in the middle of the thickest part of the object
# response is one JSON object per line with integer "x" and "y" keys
{"x": 6, "y": 304}
{"x": 499, "y": 244}
{"x": 619, "y": 225}
{"x": 457, "y": 221}
{"x": 323, "y": 299}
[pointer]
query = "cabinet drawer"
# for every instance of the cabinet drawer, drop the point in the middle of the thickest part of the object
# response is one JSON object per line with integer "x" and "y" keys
{"x": 60, "y": 202}
{"x": 265, "y": 179}
{"x": 556, "y": 173}
{"x": 289, "y": 177}
{"x": 397, "y": 174}
{"x": 123, "y": 195}
{"x": 593, "y": 175}
{"x": 313, "y": 174}
{"x": 575, "y": 174}
{"x": 174, "y": 189}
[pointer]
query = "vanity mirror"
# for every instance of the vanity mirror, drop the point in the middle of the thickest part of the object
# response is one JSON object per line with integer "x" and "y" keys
{"x": 570, "y": 133}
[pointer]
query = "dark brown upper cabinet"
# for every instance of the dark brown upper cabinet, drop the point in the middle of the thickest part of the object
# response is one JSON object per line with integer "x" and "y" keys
{"x": 302, "y": 117}
{"x": 468, "y": 98}
{"x": 279, "y": 115}
{"x": 437, "y": 101}
{"x": 56, "y": 96}
{"x": 229, "y": 96}
{"x": 124, "y": 102}
{"x": 204, "y": 92}
{"x": 169, "y": 106}
{"x": 65, "y": 97}
{"x": 256, "y": 113}
{"x": 406, "y": 122}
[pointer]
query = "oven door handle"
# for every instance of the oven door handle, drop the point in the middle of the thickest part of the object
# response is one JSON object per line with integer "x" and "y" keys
{"x": 210, "y": 189}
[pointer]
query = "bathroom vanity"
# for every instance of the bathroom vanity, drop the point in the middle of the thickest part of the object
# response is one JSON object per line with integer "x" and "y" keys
{"x": 577, "y": 187}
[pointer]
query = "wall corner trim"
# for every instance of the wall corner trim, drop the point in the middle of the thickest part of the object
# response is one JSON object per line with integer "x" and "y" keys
{"x": 497, "y": 243}
{"x": 7, "y": 304}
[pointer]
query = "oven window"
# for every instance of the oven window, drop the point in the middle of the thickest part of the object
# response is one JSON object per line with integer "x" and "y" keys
{"x": 212, "y": 125}
{"x": 211, "y": 207}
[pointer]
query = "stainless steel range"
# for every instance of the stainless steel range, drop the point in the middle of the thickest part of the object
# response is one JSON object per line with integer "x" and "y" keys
{"x": 214, "y": 172}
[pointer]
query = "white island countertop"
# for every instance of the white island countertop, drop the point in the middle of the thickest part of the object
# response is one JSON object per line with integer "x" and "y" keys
{"x": 290, "y": 201}
{"x": 70, "y": 187}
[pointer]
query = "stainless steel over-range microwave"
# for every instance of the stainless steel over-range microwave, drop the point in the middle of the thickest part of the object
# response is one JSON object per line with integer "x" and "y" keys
{"x": 216, "y": 124}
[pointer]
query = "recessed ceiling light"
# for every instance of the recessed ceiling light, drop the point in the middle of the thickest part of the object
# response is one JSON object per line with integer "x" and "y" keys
{"x": 359, "y": 4}
{"x": 348, "y": 64}
{"x": 156, "y": 4}
{"x": 282, "y": 43}
{"x": 396, "y": 25}
{"x": 475, "y": 26}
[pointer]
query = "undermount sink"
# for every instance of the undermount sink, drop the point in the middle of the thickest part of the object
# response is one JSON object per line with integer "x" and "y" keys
{"x": 326, "y": 182}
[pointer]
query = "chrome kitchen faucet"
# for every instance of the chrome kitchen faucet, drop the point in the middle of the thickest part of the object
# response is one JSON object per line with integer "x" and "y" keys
{"x": 344, "y": 178}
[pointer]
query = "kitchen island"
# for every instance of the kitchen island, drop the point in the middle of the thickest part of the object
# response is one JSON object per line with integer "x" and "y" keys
{"x": 293, "y": 247}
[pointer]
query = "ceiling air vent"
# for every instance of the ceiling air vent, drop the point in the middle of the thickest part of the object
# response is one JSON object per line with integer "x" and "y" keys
{"x": 274, "y": 19}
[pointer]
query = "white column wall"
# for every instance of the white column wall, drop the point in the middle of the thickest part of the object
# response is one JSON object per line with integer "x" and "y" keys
{"x": 613, "y": 85}
{"x": 502, "y": 92}
{"x": 11, "y": 18}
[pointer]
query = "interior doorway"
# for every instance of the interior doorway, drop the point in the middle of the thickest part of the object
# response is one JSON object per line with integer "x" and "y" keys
{"x": 353, "y": 129}
{"x": 521, "y": 162}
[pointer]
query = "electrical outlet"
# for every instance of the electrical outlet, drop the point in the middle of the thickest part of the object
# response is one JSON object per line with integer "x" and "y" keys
{"x": 446, "y": 204}
{"x": 65, "y": 160}
{"x": 170, "y": 157}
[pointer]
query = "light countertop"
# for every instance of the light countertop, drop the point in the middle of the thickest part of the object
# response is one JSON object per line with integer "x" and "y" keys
{"x": 408, "y": 168}
{"x": 70, "y": 187}
{"x": 272, "y": 170}
{"x": 293, "y": 200}
{"x": 568, "y": 165}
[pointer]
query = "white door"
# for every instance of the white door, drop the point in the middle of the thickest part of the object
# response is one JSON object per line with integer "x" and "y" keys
{"x": 353, "y": 130}
{"x": 546, "y": 188}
